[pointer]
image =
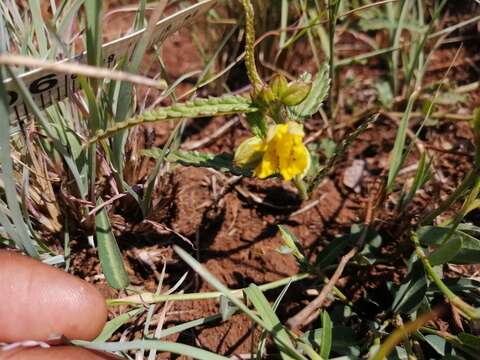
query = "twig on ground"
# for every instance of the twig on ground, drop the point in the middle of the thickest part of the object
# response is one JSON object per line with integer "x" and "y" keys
{"x": 309, "y": 313}
{"x": 192, "y": 145}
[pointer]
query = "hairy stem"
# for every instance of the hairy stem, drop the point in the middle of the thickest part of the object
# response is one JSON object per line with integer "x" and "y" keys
{"x": 252, "y": 72}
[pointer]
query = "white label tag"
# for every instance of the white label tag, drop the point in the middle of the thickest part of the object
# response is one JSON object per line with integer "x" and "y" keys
{"x": 48, "y": 87}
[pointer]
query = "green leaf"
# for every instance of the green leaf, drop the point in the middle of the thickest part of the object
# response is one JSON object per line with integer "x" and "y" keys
{"x": 469, "y": 246}
{"x": 328, "y": 148}
{"x": 412, "y": 290}
{"x": 221, "y": 162}
{"x": 188, "y": 325}
{"x": 165, "y": 346}
{"x": 397, "y": 156}
{"x": 461, "y": 284}
{"x": 330, "y": 253}
{"x": 198, "y": 108}
{"x": 114, "y": 324}
{"x": 422, "y": 175}
{"x": 385, "y": 95}
{"x": 373, "y": 242}
{"x": 93, "y": 11}
{"x": 17, "y": 228}
{"x": 398, "y": 353}
{"x": 446, "y": 252}
{"x": 451, "y": 98}
{"x": 109, "y": 252}
{"x": 257, "y": 123}
{"x": 291, "y": 241}
{"x": 226, "y": 308}
{"x": 432, "y": 235}
{"x": 315, "y": 97}
{"x": 469, "y": 252}
{"x": 473, "y": 342}
{"x": 260, "y": 302}
{"x": 438, "y": 343}
{"x": 263, "y": 337}
{"x": 215, "y": 283}
{"x": 326, "y": 345}
{"x": 344, "y": 340}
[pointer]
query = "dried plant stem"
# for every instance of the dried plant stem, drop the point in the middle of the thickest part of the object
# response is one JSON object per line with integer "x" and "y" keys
{"x": 80, "y": 69}
{"x": 309, "y": 313}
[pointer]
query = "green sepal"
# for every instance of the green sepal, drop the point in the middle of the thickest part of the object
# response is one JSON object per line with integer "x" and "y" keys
{"x": 257, "y": 123}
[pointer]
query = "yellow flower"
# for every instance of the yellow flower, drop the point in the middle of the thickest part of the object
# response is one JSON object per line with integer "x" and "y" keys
{"x": 282, "y": 152}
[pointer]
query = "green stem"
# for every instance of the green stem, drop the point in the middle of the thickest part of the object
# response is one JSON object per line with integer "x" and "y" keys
{"x": 150, "y": 298}
{"x": 467, "y": 310}
{"x": 333, "y": 6}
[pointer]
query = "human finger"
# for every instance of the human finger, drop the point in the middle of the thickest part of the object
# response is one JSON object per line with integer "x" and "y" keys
{"x": 40, "y": 302}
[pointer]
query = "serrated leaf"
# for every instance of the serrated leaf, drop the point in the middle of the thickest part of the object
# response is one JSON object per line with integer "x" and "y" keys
{"x": 198, "y": 108}
{"x": 315, "y": 97}
{"x": 109, "y": 253}
{"x": 220, "y": 162}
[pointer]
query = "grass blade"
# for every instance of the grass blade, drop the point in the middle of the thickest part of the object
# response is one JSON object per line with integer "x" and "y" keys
{"x": 21, "y": 234}
{"x": 260, "y": 302}
{"x": 109, "y": 252}
{"x": 326, "y": 344}
{"x": 207, "y": 276}
{"x": 397, "y": 155}
{"x": 165, "y": 346}
{"x": 114, "y": 324}
{"x": 126, "y": 90}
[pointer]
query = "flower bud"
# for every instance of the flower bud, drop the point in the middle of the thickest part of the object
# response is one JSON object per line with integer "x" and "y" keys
{"x": 279, "y": 85}
{"x": 250, "y": 152}
{"x": 295, "y": 93}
